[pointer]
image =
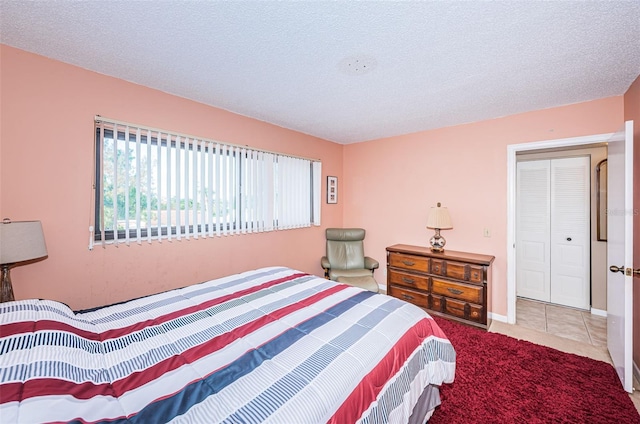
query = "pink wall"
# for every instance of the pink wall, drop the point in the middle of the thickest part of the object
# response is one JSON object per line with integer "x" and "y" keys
{"x": 46, "y": 139}
{"x": 387, "y": 185}
{"x": 391, "y": 183}
{"x": 632, "y": 112}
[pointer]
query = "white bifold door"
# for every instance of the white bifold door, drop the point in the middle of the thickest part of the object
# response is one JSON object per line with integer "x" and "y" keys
{"x": 553, "y": 231}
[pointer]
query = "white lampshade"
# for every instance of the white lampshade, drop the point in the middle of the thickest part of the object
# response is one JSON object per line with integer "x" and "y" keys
{"x": 439, "y": 218}
{"x": 21, "y": 241}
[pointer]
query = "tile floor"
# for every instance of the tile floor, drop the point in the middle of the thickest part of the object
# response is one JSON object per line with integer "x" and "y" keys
{"x": 561, "y": 321}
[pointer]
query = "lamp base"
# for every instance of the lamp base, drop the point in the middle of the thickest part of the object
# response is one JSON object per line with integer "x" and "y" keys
{"x": 6, "y": 289}
{"x": 437, "y": 242}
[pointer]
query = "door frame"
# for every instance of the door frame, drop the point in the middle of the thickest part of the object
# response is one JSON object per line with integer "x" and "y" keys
{"x": 512, "y": 150}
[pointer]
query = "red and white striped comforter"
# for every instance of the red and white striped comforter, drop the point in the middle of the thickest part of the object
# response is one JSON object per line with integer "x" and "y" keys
{"x": 270, "y": 345}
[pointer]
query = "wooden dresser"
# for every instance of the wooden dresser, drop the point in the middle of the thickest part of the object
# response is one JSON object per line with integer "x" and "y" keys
{"x": 455, "y": 285}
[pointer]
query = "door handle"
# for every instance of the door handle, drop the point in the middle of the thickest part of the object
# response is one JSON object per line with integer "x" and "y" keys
{"x": 628, "y": 272}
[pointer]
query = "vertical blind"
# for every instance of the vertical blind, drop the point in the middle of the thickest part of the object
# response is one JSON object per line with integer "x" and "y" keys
{"x": 152, "y": 184}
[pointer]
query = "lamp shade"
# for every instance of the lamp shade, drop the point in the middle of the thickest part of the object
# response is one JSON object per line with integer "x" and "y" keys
{"x": 439, "y": 218}
{"x": 21, "y": 241}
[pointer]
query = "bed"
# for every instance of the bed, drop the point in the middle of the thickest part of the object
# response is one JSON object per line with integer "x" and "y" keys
{"x": 268, "y": 345}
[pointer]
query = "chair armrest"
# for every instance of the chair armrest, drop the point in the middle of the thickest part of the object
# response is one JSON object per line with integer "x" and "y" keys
{"x": 370, "y": 263}
{"x": 326, "y": 266}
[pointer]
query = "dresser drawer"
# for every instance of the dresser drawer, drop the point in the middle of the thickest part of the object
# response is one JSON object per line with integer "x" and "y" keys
{"x": 410, "y": 262}
{"x": 419, "y": 299}
{"x": 436, "y": 303}
{"x": 475, "y": 313}
{"x": 455, "y": 308}
{"x": 457, "y": 270}
{"x": 467, "y": 292}
{"x": 409, "y": 280}
{"x": 463, "y": 310}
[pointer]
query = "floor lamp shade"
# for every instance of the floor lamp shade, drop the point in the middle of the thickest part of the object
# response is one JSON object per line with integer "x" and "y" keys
{"x": 19, "y": 242}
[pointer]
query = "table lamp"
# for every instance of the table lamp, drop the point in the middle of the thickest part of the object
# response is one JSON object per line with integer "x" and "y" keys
{"x": 438, "y": 219}
{"x": 20, "y": 241}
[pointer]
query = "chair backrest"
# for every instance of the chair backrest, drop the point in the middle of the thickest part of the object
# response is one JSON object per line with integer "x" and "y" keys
{"x": 345, "y": 249}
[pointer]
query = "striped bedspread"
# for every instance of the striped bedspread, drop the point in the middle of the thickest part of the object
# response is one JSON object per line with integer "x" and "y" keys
{"x": 270, "y": 345}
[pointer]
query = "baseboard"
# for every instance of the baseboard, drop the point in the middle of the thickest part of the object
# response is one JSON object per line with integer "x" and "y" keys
{"x": 636, "y": 372}
{"x": 498, "y": 317}
{"x": 598, "y": 312}
{"x": 383, "y": 288}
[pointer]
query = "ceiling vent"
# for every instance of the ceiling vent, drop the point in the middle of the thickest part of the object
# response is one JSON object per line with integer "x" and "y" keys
{"x": 357, "y": 65}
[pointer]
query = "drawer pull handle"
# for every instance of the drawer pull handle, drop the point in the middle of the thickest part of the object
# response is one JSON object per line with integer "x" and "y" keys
{"x": 406, "y": 296}
{"x": 454, "y": 291}
{"x": 408, "y": 263}
{"x": 408, "y": 280}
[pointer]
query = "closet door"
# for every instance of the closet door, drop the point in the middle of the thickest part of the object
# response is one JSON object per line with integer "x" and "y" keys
{"x": 570, "y": 232}
{"x": 533, "y": 268}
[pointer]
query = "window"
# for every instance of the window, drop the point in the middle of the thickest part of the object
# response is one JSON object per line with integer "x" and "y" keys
{"x": 153, "y": 185}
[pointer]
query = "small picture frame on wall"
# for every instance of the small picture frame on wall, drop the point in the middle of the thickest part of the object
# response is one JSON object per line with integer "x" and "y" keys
{"x": 332, "y": 189}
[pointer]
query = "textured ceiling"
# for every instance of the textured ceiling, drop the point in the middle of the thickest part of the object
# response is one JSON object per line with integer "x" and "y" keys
{"x": 347, "y": 71}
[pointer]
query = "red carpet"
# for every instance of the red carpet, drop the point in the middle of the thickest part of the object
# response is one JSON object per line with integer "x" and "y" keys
{"x": 503, "y": 380}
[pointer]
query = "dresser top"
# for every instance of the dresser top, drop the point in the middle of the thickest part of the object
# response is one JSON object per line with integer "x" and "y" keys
{"x": 451, "y": 255}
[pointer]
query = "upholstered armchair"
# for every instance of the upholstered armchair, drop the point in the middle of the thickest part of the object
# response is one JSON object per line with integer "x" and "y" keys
{"x": 345, "y": 260}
